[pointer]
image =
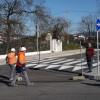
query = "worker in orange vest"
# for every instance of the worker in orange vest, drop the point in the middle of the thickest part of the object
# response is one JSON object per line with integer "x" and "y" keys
{"x": 21, "y": 67}
{"x": 11, "y": 60}
{"x": 19, "y": 51}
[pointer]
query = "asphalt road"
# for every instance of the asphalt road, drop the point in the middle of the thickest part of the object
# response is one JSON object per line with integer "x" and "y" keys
{"x": 50, "y": 84}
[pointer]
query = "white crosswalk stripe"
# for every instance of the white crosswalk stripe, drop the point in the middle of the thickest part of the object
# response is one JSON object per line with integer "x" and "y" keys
{"x": 82, "y": 59}
{"x": 40, "y": 65}
{"x": 43, "y": 60}
{"x": 56, "y": 60}
{"x": 83, "y": 63}
{"x": 95, "y": 64}
{"x": 31, "y": 65}
{"x": 78, "y": 68}
{"x": 52, "y": 66}
{"x": 60, "y": 64}
{"x": 63, "y": 61}
{"x": 65, "y": 67}
{"x": 72, "y": 62}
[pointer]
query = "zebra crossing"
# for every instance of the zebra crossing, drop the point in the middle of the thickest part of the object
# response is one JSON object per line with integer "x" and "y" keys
{"x": 59, "y": 63}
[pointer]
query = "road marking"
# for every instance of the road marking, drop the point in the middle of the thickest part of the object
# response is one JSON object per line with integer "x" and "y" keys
{"x": 31, "y": 60}
{"x": 65, "y": 67}
{"x": 34, "y": 62}
{"x": 71, "y": 62}
{"x": 40, "y": 65}
{"x": 83, "y": 63}
{"x": 83, "y": 59}
{"x": 28, "y": 65}
{"x": 95, "y": 64}
{"x": 63, "y": 61}
{"x": 47, "y": 59}
{"x": 78, "y": 68}
{"x": 52, "y": 66}
{"x": 53, "y": 61}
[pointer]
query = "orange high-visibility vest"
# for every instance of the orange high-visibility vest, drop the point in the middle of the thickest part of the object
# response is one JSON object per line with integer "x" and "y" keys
{"x": 21, "y": 59}
{"x": 11, "y": 58}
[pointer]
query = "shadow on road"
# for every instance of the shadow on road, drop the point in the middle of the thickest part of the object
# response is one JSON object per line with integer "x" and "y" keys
{"x": 34, "y": 68}
{"x": 64, "y": 71}
{"x": 4, "y": 79}
{"x": 91, "y": 84}
{"x": 79, "y": 73}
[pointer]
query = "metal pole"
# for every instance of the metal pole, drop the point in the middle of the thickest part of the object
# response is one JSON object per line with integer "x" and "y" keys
{"x": 39, "y": 44}
{"x": 97, "y": 53}
{"x": 67, "y": 22}
{"x": 81, "y": 58}
{"x": 37, "y": 33}
{"x": 67, "y": 28}
{"x": 39, "y": 48}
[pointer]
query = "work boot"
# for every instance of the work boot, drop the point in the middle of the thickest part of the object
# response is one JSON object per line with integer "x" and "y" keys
{"x": 11, "y": 79}
{"x": 30, "y": 84}
{"x": 13, "y": 85}
{"x": 89, "y": 71}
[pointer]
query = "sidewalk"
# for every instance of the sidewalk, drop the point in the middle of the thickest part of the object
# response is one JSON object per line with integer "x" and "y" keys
{"x": 93, "y": 75}
{"x": 55, "y": 54}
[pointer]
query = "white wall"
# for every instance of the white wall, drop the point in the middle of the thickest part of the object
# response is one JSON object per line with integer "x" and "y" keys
{"x": 56, "y": 45}
{"x": 28, "y": 54}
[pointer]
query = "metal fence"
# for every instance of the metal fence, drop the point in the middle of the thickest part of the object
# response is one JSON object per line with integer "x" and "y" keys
{"x": 29, "y": 42}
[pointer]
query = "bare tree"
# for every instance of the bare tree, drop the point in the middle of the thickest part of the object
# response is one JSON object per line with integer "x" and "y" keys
{"x": 13, "y": 14}
{"x": 58, "y": 28}
{"x": 55, "y": 25}
{"x": 87, "y": 25}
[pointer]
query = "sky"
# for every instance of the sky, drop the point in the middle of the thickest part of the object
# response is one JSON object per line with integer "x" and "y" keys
{"x": 57, "y": 7}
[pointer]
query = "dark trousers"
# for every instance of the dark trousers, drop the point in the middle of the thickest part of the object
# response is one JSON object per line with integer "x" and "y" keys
{"x": 90, "y": 63}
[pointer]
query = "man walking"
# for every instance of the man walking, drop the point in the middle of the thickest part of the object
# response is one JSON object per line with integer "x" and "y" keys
{"x": 21, "y": 67}
{"x": 11, "y": 60}
{"x": 89, "y": 56}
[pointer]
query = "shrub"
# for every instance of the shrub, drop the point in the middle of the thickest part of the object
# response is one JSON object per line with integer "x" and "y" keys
{"x": 71, "y": 46}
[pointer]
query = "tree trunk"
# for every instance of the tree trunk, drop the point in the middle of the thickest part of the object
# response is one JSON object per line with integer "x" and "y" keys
{"x": 8, "y": 36}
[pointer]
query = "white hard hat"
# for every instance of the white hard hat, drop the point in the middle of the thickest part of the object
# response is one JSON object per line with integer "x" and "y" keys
{"x": 23, "y": 49}
{"x": 12, "y": 49}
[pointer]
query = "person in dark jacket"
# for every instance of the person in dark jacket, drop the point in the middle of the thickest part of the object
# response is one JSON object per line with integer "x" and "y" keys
{"x": 89, "y": 56}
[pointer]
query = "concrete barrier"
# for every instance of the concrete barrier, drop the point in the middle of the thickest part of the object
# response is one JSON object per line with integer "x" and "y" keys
{"x": 78, "y": 78}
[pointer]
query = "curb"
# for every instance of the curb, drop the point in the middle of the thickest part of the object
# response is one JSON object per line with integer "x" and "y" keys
{"x": 62, "y": 55}
{"x": 92, "y": 76}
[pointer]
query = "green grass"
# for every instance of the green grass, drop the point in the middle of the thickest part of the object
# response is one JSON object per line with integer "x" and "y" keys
{"x": 72, "y": 46}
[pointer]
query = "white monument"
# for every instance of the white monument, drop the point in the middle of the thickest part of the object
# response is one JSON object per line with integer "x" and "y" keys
{"x": 55, "y": 45}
